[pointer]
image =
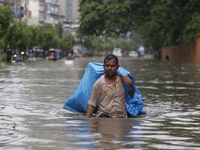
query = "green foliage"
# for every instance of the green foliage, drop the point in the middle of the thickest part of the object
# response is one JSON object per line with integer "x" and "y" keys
{"x": 108, "y": 46}
{"x": 158, "y": 22}
{"x": 3, "y": 57}
{"x": 66, "y": 42}
{"x": 22, "y": 36}
{"x": 128, "y": 45}
{"x": 96, "y": 43}
{"x": 107, "y": 18}
{"x": 59, "y": 30}
{"x": 6, "y": 18}
{"x": 47, "y": 37}
{"x": 19, "y": 35}
{"x": 35, "y": 38}
{"x": 14, "y": 34}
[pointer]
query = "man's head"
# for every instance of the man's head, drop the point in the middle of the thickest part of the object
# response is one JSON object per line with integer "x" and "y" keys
{"x": 111, "y": 65}
{"x": 111, "y": 56}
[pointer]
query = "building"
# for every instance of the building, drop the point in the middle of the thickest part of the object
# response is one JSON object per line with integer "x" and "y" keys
{"x": 17, "y": 8}
{"x": 36, "y": 12}
{"x": 1, "y": 2}
{"x": 44, "y": 11}
{"x": 70, "y": 11}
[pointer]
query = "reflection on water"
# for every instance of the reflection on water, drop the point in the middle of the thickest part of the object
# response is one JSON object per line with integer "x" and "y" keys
{"x": 33, "y": 93}
{"x": 104, "y": 133}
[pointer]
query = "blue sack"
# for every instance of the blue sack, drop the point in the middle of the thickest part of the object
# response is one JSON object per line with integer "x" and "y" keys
{"x": 78, "y": 101}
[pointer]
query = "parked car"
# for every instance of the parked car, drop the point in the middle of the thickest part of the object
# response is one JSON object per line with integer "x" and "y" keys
{"x": 133, "y": 54}
{"x": 117, "y": 52}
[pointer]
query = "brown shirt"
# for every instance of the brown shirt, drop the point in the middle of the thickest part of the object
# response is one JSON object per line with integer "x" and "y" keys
{"x": 109, "y": 99}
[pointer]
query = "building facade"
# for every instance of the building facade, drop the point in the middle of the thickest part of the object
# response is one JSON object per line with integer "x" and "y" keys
{"x": 1, "y": 2}
{"x": 70, "y": 11}
{"x": 44, "y": 11}
{"x": 17, "y": 8}
{"x": 36, "y": 12}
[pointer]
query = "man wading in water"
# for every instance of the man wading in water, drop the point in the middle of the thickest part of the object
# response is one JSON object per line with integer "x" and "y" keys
{"x": 108, "y": 92}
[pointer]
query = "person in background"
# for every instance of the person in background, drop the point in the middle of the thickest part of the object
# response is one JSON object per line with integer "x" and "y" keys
{"x": 8, "y": 55}
{"x": 69, "y": 56}
{"x": 108, "y": 92}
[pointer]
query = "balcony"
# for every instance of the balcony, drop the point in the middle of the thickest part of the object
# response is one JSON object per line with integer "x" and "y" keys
{"x": 18, "y": 11}
{"x": 41, "y": 21}
{"x": 42, "y": 9}
{"x": 53, "y": 2}
{"x": 1, "y": 2}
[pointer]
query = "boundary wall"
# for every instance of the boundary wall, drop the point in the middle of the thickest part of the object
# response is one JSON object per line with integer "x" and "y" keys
{"x": 181, "y": 54}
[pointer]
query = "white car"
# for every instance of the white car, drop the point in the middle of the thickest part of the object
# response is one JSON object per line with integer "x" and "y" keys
{"x": 117, "y": 52}
{"x": 133, "y": 54}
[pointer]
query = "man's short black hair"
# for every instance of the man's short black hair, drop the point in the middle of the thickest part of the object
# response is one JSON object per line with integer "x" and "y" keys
{"x": 110, "y": 57}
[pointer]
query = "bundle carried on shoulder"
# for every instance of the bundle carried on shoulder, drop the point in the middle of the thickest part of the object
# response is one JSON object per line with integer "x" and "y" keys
{"x": 78, "y": 101}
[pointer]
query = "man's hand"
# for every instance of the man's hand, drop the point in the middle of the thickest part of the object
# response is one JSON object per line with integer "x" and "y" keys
{"x": 90, "y": 111}
{"x": 127, "y": 80}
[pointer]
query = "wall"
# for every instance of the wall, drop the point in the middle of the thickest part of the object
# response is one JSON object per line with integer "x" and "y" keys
{"x": 181, "y": 54}
{"x": 33, "y": 14}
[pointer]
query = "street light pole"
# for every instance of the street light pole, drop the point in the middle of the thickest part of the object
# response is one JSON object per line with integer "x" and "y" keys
{"x": 26, "y": 11}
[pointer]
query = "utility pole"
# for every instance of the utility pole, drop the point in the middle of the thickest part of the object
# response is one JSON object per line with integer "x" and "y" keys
{"x": 26, "y": 10}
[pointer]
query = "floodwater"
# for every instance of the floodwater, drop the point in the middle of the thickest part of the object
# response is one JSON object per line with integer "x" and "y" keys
{"x": 33, "y": 93}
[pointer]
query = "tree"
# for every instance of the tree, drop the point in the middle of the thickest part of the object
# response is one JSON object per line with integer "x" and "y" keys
{"x": 20, "y": 36}
{"x": 47, "y": 40}
{"x": 94, "y": 43}
{"x": 126, "y": 45}
{"x": 5, "y": 21}
{"x": 108, "y": 46}
{"x": 66, "y": 42}
{"x": 47, "y": 37}
{"x": 105, "y": 18}
{"x": 35, "y": 37}
{"x": 59, "y": 30}
{"x": 158, "y": 22}
{"x": 14, "y": 34}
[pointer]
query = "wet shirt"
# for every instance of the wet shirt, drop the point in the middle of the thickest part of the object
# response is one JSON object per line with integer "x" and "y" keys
{"x": 109, "y": 99}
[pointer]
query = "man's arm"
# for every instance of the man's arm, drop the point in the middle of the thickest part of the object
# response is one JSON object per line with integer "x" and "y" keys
{"x": 90, "y": 111}
{"x": 127, "y": 80}
{"x": 132, "y": 90}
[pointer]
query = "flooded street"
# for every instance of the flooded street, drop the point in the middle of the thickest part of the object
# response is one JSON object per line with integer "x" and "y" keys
{"x": 32, "y": 95}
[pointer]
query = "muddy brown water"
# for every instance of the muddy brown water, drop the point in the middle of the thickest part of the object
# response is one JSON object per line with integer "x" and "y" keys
{"x": 32, "y": 95}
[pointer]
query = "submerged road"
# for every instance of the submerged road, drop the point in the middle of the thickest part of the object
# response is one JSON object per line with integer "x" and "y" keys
{"x": 32, "y": 95}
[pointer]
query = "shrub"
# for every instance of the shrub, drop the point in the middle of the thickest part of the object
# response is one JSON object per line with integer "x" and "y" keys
{"x": 3, "y": 57}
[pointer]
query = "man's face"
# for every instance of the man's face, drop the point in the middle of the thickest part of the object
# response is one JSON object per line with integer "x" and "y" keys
{"x": 110, "y": 67}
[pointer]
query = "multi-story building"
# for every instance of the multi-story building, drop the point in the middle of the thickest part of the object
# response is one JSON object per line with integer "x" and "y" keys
{"x": 1, "y": 2}
{"x": 17, "y": 8}
{"x": 70, "y": 11}
{"x": 36, "y": 12}
{"x": 44, "y": 11}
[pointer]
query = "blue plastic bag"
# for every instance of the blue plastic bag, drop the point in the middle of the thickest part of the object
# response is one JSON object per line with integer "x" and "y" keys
{"x": 78, "y": 101}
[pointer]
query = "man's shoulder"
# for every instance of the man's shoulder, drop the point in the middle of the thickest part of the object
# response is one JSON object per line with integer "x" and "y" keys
{"x": 100, "y": 81}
